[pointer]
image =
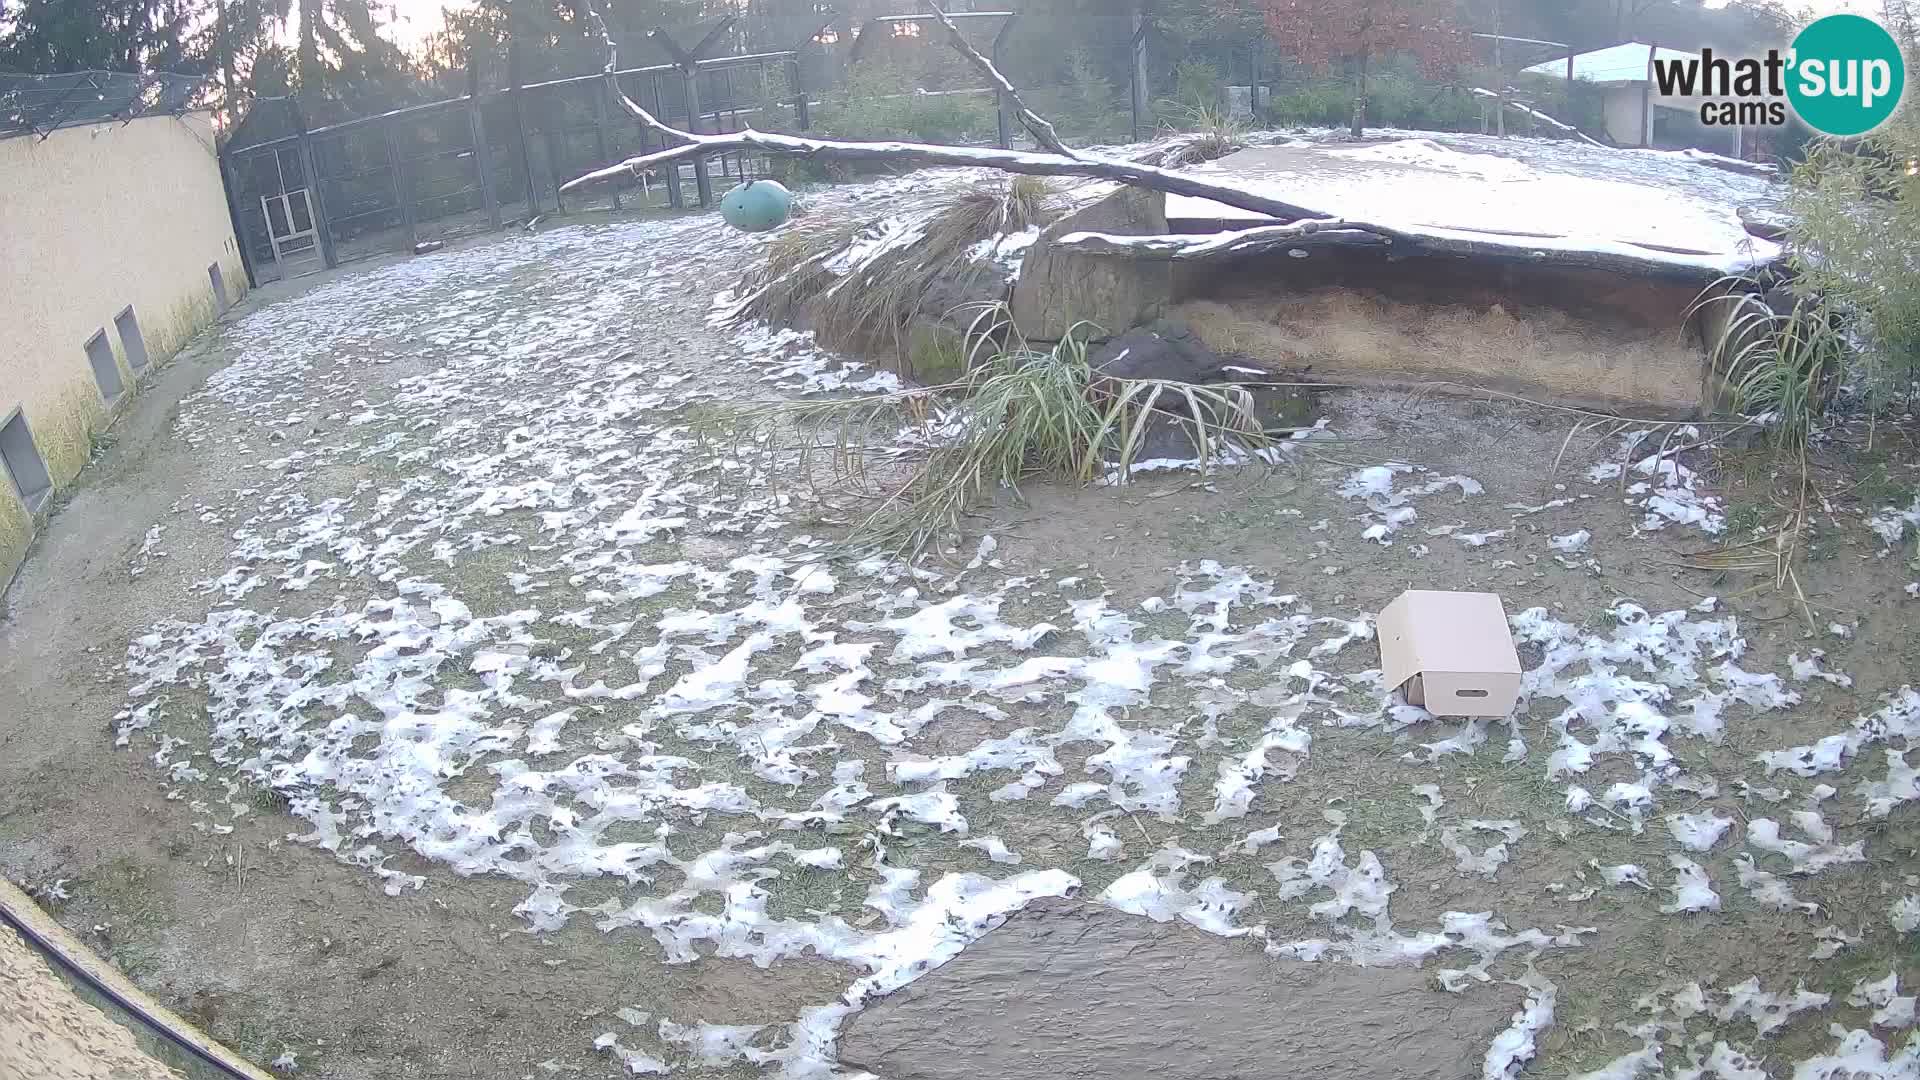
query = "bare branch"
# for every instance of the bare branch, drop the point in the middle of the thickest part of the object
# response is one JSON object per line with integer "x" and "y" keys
{"x": 1176, "y": 247}
{"x": 613, "y": 82}
{"x": 1131, "y": 173}
{"x": 1042, "y": 130}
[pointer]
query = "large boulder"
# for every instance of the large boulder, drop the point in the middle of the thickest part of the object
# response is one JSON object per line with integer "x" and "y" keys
{"x": 1057, "y": 289}
{"x": 1162, "y": 349}
{"x": 1168, "y": 349}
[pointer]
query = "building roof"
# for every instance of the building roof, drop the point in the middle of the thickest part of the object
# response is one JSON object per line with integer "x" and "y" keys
{"x": 1616, "y": 65}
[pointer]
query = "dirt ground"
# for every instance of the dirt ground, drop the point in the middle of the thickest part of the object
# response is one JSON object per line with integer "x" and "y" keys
{"x": 351, "y": 836}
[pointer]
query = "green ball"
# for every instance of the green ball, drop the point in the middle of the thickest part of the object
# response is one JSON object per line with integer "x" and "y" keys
{"x": 758, "y": 207}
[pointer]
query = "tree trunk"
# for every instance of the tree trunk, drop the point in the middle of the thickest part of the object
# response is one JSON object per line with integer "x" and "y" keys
{"x": 309, "y": 62}
{"x": 1500, "y": 89}
{"x": 1359, "y": 95}
{"x": 229, "y": 81}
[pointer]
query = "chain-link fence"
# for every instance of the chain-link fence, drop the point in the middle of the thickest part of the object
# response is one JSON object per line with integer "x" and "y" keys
{"x": 395, "y": 181}
{"x": 42, "y": 104}
{"x": 305, "y": 198}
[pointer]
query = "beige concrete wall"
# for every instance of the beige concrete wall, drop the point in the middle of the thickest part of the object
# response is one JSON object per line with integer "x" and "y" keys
{"x": 93, "y": 219}
{"x": 1623, "y": 109}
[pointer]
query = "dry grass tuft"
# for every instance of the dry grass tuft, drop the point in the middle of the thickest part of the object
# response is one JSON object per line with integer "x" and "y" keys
{"x": 1780, "y": 365}
{"x": 1213, "y": 134}
{"x": 1017, "y": 412}
{"x": 795, "y": 271}
{"x": 871, "y": 306}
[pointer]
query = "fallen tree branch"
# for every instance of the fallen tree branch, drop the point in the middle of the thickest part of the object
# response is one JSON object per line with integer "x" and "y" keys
{"x": 1192, "y": 247}
{"x": 902, "y": 153}
{"x": 1336, "y": 232}
{"x": 1130, "y": 173}
{"x": 1042, "y": 130}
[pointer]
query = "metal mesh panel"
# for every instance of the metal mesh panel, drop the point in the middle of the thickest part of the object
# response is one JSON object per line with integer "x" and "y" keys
{"x": 42, "y": 104}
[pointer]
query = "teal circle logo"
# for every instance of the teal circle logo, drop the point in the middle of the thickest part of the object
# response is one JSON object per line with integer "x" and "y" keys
{"x": 1847, "y": 75}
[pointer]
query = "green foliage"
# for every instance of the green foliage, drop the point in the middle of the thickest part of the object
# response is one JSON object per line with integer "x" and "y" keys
{"x": 889, "y": 98}
{"x": 1218, "y": 132}
{"x": 1578, "y": 104}
{"x": 1323, "y": 103}
{"x": 936, "y": 353}
{"x": 1855, "y": 229}
{"x": 1092, "y": 103}
{"x": 125, "y": 35}
{"x": 798, "y": 172}
{"x": 1397, "y": 96}
{"x": 1782, "y": 366}
{"x": 1197, "y": 85}
{"x": 772, "y": 97}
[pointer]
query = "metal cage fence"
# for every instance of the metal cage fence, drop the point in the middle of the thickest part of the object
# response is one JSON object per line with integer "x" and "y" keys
{"x": 42, "y": 104}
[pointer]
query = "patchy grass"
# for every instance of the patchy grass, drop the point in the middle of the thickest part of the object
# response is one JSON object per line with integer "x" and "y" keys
{"x": 1215, "y": 132}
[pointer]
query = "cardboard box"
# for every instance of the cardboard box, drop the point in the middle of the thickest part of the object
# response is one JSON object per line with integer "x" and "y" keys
{"x": 1452, "y": 651}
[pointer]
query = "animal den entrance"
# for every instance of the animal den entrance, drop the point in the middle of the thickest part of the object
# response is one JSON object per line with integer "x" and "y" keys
{"x": 1577, "y": 336}
{"x": 1550, "y": 271}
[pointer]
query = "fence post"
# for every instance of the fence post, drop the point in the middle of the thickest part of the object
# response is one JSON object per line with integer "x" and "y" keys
{"x": 402, "y": 185}
{"x": 307, "y": 167}
{"x": 1003, "y": 101}
{"x": 554, "y": 165}
{"x": 514, "y": 94}
{"x": 600, "y": 126}
{"x": 230, "y": 179}
{"x": 483, "y": 157}
{"x": 1500, "y": 73}
{"x": 1139, "y": 79}
{"x": 802, "y": 112}
{"x": 676, "y": 199}
{"x": 702, "y": 178}
{"x": 1253, "y": 81}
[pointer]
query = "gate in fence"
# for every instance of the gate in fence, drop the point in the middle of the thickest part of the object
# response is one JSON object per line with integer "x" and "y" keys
{"x": 306, "y": 199}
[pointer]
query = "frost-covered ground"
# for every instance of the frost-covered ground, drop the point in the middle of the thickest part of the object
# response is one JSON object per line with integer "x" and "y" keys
{"x": 485, "y": 608}
{"x": 1552, "y": 195}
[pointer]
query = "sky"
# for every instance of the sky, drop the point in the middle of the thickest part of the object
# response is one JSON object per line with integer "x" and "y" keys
{"x": 416, "y": 20}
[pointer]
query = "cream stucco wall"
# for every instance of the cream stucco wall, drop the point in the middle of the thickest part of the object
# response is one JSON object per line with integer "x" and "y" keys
{"x": 93, "y": 219}
{"x": 1624, "y": 111}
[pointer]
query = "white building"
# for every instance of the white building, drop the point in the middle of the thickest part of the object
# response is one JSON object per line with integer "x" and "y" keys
{"x": 1631, "y": 108}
